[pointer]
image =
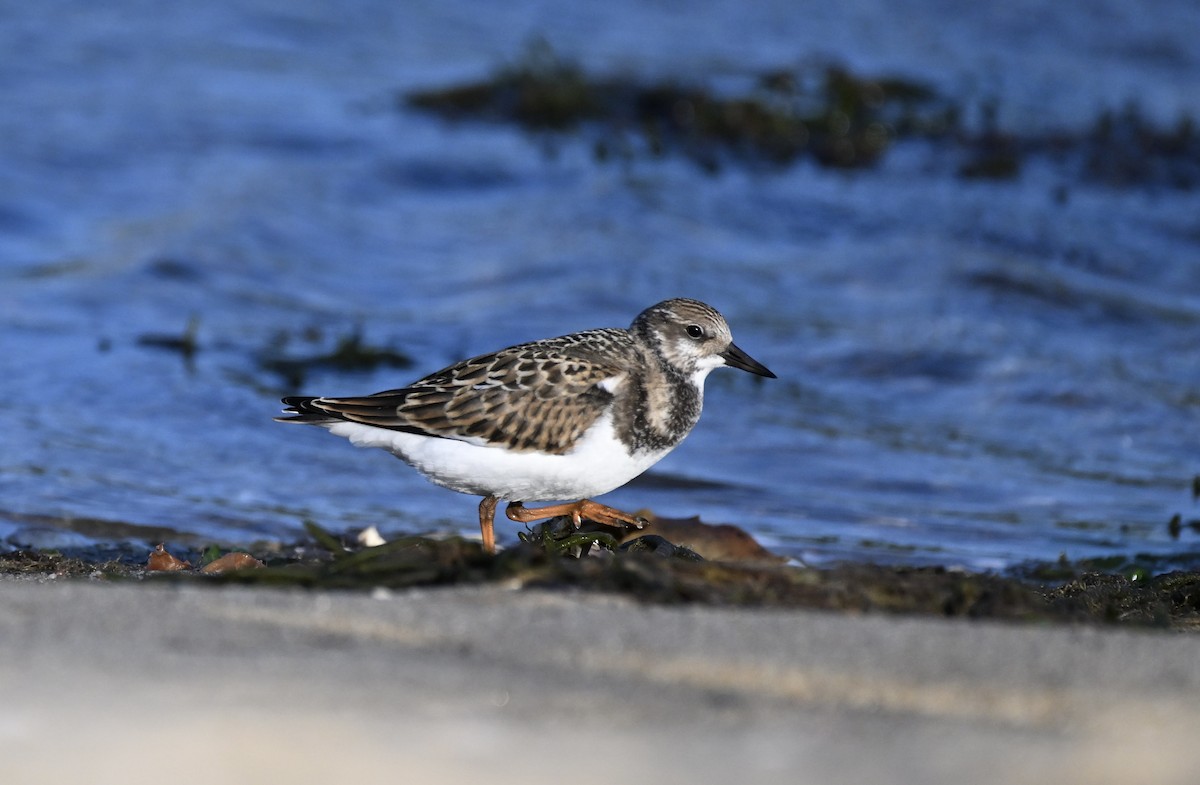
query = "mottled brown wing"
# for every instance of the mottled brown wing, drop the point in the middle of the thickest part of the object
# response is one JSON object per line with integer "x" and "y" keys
{"x": 540, "y": 396}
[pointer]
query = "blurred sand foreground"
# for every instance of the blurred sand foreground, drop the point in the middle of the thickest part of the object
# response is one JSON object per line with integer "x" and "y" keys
{"x": 135, "y": 683}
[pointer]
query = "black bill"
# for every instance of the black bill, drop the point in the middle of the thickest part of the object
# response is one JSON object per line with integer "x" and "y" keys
{"x": 736, "y": 358}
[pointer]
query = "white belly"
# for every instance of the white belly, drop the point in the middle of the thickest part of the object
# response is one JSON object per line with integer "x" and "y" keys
{"x": 598, "y": 463}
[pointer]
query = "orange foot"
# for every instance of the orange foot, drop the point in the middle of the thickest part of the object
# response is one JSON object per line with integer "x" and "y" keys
{"x": 579, "y": 511}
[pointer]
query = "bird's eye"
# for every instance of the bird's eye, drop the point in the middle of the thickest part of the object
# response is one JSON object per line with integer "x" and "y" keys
{"x": 695, "y": 330}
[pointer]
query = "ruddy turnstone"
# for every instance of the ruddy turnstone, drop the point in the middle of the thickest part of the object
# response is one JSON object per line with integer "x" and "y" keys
{"x": 561, "y": 418}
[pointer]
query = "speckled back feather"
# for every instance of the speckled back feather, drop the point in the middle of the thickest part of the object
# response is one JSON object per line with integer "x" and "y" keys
{"x": 538, "y": 396}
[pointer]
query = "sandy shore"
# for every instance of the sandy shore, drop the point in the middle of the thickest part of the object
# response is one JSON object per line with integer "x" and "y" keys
{"x": 137, "y": 683}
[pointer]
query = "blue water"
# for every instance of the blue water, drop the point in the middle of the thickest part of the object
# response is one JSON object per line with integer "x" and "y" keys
{"x": 971, "y": 373}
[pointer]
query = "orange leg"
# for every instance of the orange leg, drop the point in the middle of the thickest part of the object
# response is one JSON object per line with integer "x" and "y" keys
{"x": 487, "y": 511}
{"x": 585, "y": 509}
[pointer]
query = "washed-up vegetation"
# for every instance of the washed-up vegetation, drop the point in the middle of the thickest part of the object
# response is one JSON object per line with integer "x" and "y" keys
{"x": 653, "y": 570}
{"x": 826, "y": 114}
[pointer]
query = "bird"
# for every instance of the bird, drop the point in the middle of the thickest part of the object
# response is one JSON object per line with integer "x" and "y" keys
{"x": 564, "y": 418}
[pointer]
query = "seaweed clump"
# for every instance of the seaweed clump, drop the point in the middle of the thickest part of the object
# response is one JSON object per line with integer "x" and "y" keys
{"x": 651, "y": 569}
{"x": 1170, "y": 600}
{"x": 49, "y": 565}
{"x": 833, "y": 117}
{"x": 826, "y": 114}
{"x": 1119, "y": 150}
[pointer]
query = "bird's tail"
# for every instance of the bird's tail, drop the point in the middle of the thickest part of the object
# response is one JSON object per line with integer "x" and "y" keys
{"x": 301, "y": 409}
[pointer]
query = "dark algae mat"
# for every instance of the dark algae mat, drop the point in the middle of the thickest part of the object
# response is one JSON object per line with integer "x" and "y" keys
{"x": 653, "y": 570}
